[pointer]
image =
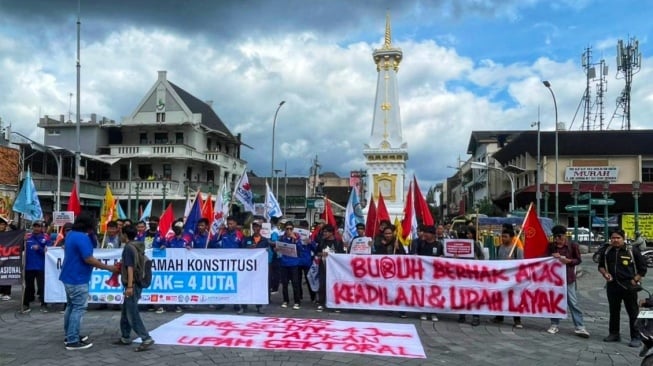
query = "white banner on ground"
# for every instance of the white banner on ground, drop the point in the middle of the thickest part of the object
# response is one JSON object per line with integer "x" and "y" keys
{"x": 531, "y": 287}
{"x": 180, "y": 276}
{"x": 209, "y": 330}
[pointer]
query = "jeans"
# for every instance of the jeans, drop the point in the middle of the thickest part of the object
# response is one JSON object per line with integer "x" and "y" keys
{"x": 76, "y": 303}
{"x": 572, "y": 305}
{"x": 130, "y": 317}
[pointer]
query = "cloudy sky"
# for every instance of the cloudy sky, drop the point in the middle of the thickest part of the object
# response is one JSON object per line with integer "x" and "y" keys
{"x": 468, "y": 65}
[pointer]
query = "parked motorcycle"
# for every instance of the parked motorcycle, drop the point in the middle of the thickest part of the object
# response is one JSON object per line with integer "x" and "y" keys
{"x": 645, "y": 326}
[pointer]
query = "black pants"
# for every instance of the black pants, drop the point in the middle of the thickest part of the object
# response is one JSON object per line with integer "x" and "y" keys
{"x": 290, "y": 274}
{"x": 30, "y": 277}
{"x": 274, "y": 270}
{"x": 617, "y": 294}
{"x": 5, "y": 290}
{"x": 321, "y": 293}
{"x": 303, "y": 277}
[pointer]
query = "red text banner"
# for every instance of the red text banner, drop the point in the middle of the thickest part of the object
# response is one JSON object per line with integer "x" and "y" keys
{"x": 531, "y": 287}
{"x": 289, "y": 334}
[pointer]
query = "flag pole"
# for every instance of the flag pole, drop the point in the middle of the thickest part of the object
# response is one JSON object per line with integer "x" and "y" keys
{"x": 521, "y": 230}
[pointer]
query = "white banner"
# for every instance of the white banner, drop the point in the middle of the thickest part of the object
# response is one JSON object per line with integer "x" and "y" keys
{"x": 180, "y": 276}
{"x": 287, "y": 249}
{"x": 530, "y": 287}
{"x": 60, "y": 218}
{"x": 288, "y": 334}
{"x": 459, "y": 248}
{"x": 591, "y": 174}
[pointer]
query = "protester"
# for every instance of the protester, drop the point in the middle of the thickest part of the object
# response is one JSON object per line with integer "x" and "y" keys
{"x": 360, "y": 233}
{"x": 112, "y": 239}
{"x": 132, "y": 261}
{"x": 152, "y": 239}
{"x": 256, "y": 240}
{"x": 290, "y": 267}
{"x": 202, "y": 238}
{"x": 568, "y": 253}
{"x": 509, "y": 250}
{"x": 231, "y": 237}
{"x": 388, "y": 244}
{"x": 275, "y": 259}
{"x": 328, "y": 244}
{"x": 431, "y": 247}
{"x": 35, "y": 247}
{"x": 470, "y": 233}
{"x": 176, "y": 242}
{"x": 379, "y": 236}
{"x": 5, "y": 291}
{"x": 140, "y": 231}
{"x": 623, "y": 268}
{"x": 75, "y": 274}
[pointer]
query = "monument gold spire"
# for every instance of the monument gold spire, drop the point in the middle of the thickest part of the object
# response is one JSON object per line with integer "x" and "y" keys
{"x": 388, "y": 33}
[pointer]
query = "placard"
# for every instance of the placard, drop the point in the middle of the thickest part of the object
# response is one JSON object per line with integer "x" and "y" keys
{"x": 287, "y": 249}
{"x": 361, "y": 246}
{"x": 60, "y": 218}
{"x": 459, "y": 248}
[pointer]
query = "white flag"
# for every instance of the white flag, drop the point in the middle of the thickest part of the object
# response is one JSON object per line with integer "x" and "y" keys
{"x": 272, "y": 208}
{"x": 220, "y": 210}
{"x": 243, "y": 193}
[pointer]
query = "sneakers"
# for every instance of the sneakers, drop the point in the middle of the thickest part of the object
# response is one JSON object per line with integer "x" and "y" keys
{"x": 122, "y": 342}
{"x": 296, "y": 307}
{"x": 78, "y": 345}
{"x": 240, "y": 310}
{"x": 177, "y": 309}
{"x": 25, "y": 309}
{"x": 635, "y": 343}
{"x": 422, "y": 317}
{"x": 320, "y": 308}
{"x": 582, "y": 332}
{"x": 44, "y": 308}
{"x": 612, "y": 338}
{"x": 83, "y": 339}
{"x": 403, "y": 315}
{"x": 284, "y": 305}
{"x": 259, "y": 310}
{"x": 274, "y": 292}
{"x": 5, "y": 297}
{"x": 434, "y": 318}
{"x": 518, "y": 325}
{"x": 145, "y": 345}
{"x": 553, "y": 329}
{"x": 160, "y": 310}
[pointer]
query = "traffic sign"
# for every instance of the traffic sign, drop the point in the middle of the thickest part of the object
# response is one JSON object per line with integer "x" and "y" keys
{"x": 577, "y": 207}
{"x": 584, "y": 196}
{"x": 602, "y": 201}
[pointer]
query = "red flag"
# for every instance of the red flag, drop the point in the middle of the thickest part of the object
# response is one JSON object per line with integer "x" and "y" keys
{"x": 535, "y": 240}
{"x": 73, "y": 201}
{"x": 408, "y": 224}
{"x": 371, "y": 224}
{"x": 207, "y": 209}
{"x": 327, "y": 215}
{"x": 421, "y": 207}
{"x": 165, "y": 222}
{"x": 381, "y": 210}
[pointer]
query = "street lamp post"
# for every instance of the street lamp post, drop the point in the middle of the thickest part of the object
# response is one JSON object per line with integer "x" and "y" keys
{"x": 164, "y": 190}
{"x": 606, "y": 194}
{"x": 636, "y": 192}
{"x": 555, "y": 106}
{"x": 575, "y": 188}
{"x": 274, "y": 125}
{"x": 137, "y": 189}
{"x": 538, "y": 175}
{"x": 276, "y": 189}
{"x": 545, "y": 188}
{"x": 511, "y": 177}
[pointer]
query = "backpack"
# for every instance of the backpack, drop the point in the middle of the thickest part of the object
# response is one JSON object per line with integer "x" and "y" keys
{"x": 142, "y": 268}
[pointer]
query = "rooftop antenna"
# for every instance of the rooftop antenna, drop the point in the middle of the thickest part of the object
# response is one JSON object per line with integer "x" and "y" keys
{"x": 593, "y": 110}
{"x": 629, "y": 63}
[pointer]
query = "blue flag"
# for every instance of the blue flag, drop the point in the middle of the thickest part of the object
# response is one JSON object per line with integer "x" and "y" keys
{"x": 194, "y": 216}
{"x": 27, "y": 201}
{"x": 272, "y": 208}
{"x": 147, "y": 212}
{"x": 353, "y": 216}
{"x": 121, "y": 213}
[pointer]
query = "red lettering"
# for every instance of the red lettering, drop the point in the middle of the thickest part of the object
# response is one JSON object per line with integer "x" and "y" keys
{"x": 540, "y": 272}
{"x": 388, "y": 267}
{"x": 535, "y": 302}
{"x": 10, "y": 251}
{"x": 474, "y": 299}
{"x": 444, "y": 269}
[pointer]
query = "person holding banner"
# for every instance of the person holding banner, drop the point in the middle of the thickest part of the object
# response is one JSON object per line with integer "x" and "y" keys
{"x": 202, "y": 238}
{"x": 35, "y": 247}
{"x": 290, "y": 262}
{"x": 328, "y": 244}
{"x": 431, "y": 247}
{"x": 140, "y": 231}
{"x": 470, "y": 233}
{"x": 388, "y": 244}
{"x": 130, "y": 317}
{"x": 568, "y": 253}
{"x": 152, "y": 239}
{"x": 231, "y": 237}
{"x": 256, "y": 240}
{"x": 509, "y": 250}
{"x": 76, "y": 272}
{"x": 356, "y": 244}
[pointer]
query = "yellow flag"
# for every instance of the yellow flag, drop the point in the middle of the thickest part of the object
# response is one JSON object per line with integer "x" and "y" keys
{"x": 108, "y": 208}
{"x": 399, "y": 232}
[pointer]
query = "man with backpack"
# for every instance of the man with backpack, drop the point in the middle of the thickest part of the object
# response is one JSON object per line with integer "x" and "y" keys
{"x": 132, "y": 274}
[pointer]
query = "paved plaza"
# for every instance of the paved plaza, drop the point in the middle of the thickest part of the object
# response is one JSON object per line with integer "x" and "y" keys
{"x": 37, "y": 338}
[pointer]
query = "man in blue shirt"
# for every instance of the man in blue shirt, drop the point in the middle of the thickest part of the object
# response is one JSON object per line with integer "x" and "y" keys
{"x": 75, "y": 274}
{"x": 202, "y": 238}
{"x": 231, "y": 237}
{"x": 35, "y": 246}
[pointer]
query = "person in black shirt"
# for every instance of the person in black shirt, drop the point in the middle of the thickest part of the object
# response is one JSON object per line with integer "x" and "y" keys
{"x": 328, "y": 244}
{"x": 623, "y": 268}
{"x": 388, "y": 242}
{"x": 429, "y": 246}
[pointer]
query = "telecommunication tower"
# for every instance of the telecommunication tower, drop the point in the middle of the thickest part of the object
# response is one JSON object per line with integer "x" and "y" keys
{"x": 629, "y": 63}
{"x": 593, "y": 115}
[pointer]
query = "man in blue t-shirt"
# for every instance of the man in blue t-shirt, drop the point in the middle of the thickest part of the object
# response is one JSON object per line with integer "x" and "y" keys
{"x": 35, "y": 246}
{"x": 78, "y": 264}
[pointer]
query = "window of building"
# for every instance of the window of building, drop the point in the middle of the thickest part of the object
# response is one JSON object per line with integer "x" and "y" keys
{"x": 160, "y": 117}
{"x": 647, "y": 171}
{"x": 210, "y": 176}
{"x": 53, "y": 132}
{"x": 167, "y": 171}
{"x": 189, "y": 173}
{"x": 179, "y": 138}
{"x": 124, "y": 171}
{"x": 218, "y": 147}
{"x": 143, "y": 138}
{"x": 161, "y": 138}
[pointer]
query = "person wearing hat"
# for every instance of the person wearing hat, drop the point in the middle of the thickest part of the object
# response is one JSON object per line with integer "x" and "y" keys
{"x": 255, "y": 241}
{"x": 35, "y": 246}
{"x": 568, "y": 253}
